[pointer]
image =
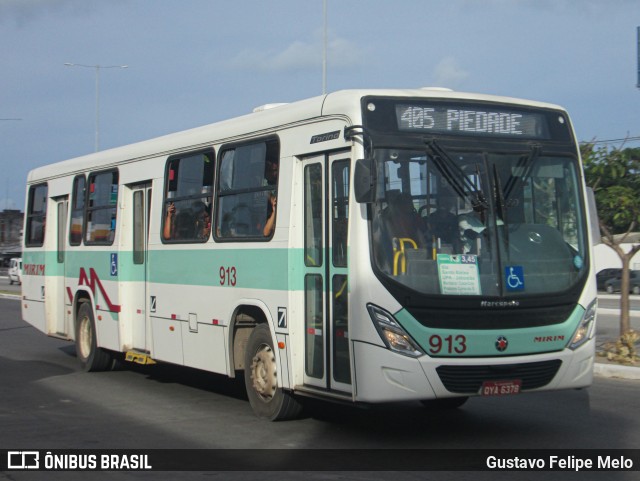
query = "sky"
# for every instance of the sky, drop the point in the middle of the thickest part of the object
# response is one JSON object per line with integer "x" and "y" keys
{"x": 194, "y": 62}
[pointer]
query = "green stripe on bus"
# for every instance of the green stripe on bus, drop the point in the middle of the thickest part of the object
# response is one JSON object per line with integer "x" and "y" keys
{"x": 268, "y": 268}
{"x": 477, "y": 343}
{"x": 246, "y": 268}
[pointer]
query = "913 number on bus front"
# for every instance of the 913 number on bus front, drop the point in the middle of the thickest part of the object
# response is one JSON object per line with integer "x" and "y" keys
{"x": 447, "y": 345}
{"x": 228, "y": 276}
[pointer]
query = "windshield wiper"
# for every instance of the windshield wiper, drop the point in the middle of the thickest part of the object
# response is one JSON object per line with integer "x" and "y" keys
{"x": 455, "y": 176}
{"x": 525, "y": 165}
{"x": 501, "y": 208}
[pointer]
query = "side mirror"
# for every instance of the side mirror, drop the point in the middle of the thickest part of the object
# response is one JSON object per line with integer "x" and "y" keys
{"x": 364, "y": 181}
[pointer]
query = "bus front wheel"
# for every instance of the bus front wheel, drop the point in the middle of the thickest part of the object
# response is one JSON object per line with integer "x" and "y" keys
{"x": 261, "y": 379}
{"x": 92, "y": 358}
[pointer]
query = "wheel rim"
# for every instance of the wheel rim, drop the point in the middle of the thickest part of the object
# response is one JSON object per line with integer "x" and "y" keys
{"x": 84, "y": 337}
{"x": 263, "y": 373}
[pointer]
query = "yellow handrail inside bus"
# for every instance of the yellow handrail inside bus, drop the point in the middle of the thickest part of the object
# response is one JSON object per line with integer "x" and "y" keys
{"x": 398, "y": 249}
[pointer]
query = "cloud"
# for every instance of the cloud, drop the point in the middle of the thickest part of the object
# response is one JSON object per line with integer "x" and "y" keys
{"x": 23, "y": 12}
{"x": 300, "y": 55}
{"x": 448, "y": 73}
{"x": 575, "y": 7}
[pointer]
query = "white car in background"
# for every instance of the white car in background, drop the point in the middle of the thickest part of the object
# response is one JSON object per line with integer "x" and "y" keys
{"x": 15, "y": 270}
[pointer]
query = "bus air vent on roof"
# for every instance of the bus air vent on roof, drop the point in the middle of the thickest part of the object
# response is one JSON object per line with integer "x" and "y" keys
{"x": 268, "y": 107}
{"x": 437, "y": 89}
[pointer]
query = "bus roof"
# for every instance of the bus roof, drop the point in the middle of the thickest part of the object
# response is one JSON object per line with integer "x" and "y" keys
{"x": 344, "y": 103}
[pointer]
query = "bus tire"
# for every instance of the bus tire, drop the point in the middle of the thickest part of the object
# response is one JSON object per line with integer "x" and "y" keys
{"x": 92, "y": 357}
{"x": 444, "y": 403}
{"x": 261, "y": 379}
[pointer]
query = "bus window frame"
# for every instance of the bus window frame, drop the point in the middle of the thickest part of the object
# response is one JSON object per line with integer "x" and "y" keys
{"x": 89, "y": 209}
{"x": 210, "y": 151}
{"x": 30, "y": 215}
{"x": 218, "y": 192}
{"x": 73, "y": 209}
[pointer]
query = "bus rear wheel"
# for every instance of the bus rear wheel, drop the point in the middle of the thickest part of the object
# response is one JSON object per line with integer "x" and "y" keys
{"x": 92, "y": 357}
{"x": 261, "y": 379}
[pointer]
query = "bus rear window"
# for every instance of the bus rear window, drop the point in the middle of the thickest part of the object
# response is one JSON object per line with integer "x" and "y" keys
{"x": 36, "y": 216}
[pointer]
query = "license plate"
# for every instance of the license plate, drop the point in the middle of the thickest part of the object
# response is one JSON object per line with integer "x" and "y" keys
{"x": 501, "y": 388}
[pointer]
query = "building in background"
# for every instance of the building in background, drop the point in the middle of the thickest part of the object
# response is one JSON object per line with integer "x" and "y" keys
{"x": 10, "y": 235}
{"x": 606, "y": 257}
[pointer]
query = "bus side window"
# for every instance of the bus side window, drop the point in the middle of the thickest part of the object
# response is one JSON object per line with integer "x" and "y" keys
{"x": 247, "y": 191}
{"x": 77, "y": 211}
{"x": 101, "y": 208}
{"x": 187, "y": 201}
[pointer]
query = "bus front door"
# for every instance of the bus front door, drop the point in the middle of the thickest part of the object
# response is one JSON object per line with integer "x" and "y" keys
{"x": 326, "y": 279}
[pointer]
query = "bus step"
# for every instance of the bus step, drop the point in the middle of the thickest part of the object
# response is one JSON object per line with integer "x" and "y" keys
{"x": 139, "y": 357}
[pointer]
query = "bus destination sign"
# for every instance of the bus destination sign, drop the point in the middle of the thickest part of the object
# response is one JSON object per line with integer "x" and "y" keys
{"x": 463, "y": 120}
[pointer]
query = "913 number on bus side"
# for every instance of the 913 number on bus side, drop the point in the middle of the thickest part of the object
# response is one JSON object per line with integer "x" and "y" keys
{"x": 450, "y": 344}
{"x": 228, "y": 276}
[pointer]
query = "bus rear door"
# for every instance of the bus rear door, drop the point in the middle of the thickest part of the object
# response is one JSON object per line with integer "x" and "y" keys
{"x": 136, "y": 292}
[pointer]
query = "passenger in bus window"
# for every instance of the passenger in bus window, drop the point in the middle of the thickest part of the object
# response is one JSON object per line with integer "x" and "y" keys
{"x": 270, "y": 225}
{"x": 402, "y": 219}
{"x": 271, "y": 172}
{"x": 442, "y": 224}
{"x": 471, "y": 230}
{"x": 178, "y": 224}
{"x": 202, "y": 220}
{"x": 192, "y": 223}
{"x": 271, "y": 178}
{"x": 168, "y": 221}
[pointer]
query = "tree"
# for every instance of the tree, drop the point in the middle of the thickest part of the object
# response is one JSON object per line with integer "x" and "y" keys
{"x": 614, "y": 176}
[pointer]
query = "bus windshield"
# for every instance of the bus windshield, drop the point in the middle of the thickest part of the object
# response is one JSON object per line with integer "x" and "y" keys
{"x": 478, "y": 223}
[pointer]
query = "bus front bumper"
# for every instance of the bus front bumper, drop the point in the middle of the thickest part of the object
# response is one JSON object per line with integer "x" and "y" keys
{"x": 384, "y": 376}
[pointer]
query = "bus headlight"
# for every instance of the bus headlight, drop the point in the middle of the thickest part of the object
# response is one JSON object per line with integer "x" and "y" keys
{"x": 586, "y": 327}
{"x": 393, "y": 335}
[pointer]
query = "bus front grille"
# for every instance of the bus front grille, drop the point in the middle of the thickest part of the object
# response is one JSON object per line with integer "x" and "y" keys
{"x": 469, "y": 379}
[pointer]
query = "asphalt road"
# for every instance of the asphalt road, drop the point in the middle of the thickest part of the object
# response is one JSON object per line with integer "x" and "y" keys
{"x": 612, "y": 301}
{"x": 46, "y": 402}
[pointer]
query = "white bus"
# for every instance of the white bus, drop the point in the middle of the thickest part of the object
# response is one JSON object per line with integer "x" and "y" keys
{"x": 364, "y": 246}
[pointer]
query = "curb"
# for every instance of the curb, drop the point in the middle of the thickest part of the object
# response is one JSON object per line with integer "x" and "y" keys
{"x": 618, "y": 371}
{"x": 4, "y": 295}
{"x": 632, "y": 313}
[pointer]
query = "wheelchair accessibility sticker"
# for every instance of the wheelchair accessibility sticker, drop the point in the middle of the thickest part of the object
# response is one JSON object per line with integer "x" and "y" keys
{"x": 114, "y": 264}
{"x": 514, "y": 278}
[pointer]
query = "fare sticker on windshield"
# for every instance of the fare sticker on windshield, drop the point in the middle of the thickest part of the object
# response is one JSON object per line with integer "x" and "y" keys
{"x": 458, "y": 274}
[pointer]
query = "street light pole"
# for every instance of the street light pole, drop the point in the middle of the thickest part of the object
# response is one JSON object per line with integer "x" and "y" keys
{"x": 97, "y": 67}
{"x": 324, "y": 47}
